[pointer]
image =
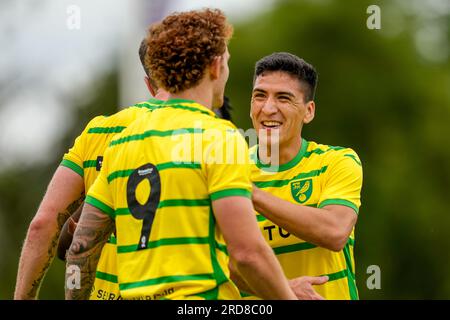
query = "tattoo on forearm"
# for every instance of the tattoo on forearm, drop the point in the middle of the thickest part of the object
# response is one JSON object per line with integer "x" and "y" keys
{"x": 75, "y": 205}
{"x": 91, "y": 234}
{"x": 60, "y": 220}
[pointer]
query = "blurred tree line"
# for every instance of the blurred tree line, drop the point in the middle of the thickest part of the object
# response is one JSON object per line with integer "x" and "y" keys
{"x": 376, "y": 94}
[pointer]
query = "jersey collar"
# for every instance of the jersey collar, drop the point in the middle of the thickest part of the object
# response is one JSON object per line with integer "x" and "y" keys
{"x": 155, "y": 101}
{"x": 190, "y": 105}
{"x": 285, "y": 166}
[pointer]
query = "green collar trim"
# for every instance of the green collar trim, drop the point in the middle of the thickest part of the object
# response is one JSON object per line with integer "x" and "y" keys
{"x": 193, "y": 105}
{"x": 286, "y": 166}
{"x": 155, "y": 101}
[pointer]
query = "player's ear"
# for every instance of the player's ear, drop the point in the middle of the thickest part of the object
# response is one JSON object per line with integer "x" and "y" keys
{"x": 215, "y": 67}
{"x": 149, "y": 86}
{"x": 310, "y": 112}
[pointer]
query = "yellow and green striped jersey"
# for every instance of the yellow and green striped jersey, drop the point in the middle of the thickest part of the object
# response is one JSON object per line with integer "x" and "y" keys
{"x": 85, "y": 158}
{"x": 158, "y": 180}
{"x": 86, "y": 155}
{"x": 319, "y": 175}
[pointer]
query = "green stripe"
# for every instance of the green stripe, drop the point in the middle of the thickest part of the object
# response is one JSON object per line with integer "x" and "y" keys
{"x": 316, "y": 151}
{"x": 120, "y": 174}
{"x": 72, "y": 165}
{"x": 353, "y": 291}
{"x": 281, "y": 183}
{"x": 212, "y": 294}
{"x": 230, "y": 193}
{"x": 122, "y": 212}
{"x": 147, "y": 105}
{"x": 160, "y": 167}
{"x": 341, "y": 202}
{"x": 222, "y": 248}
{"x": 171, "y": 203}
{"x": 179, "y": 106}
{"x": 286, "y": 166}
{"x": 351, "y": 241}
{"x": 184, "y": 203}
{"x": 190, "y": 108}
{"x": 175, "y": 165}
{"x": 100, "y": 205}
{"x": 354, "y": 158}
{"x": 294, "y": 247}
{"x": 153, "y": 101}
{"x": 219, "y": 275}
{"x": 321, "y": 151}
{"x": 337, "y": 148}
{"x": 165, "y": 279}
{"x": 348, "y": 259}
{"x": 301, "y": 155}
{"x": 336, "y": 276}
{"x": 106, "y": 130}
{"x": 90, "y": 164}
{"x": 244, "y": 294}
{"x": 106, "y": 276}
{"x": 112, "y": 239}
{"x": 260, "y": 218}
{"x": 164, "y": 242}
{"x": 155, "y": 133}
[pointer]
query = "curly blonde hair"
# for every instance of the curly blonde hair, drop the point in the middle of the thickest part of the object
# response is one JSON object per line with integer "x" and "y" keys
{"x": 183, "y": 45}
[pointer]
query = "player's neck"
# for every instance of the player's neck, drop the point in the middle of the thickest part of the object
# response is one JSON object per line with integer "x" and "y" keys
{"x": 202, "y": 94}
{"x": 161, "y": 95}
{"x": 290, "y": 150}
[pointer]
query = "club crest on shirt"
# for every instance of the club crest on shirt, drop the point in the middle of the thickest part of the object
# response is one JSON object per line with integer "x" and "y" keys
{"x": 301, "y": 190}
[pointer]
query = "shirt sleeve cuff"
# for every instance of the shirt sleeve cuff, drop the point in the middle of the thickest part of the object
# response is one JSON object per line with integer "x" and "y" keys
{"x": 72, "y": 165}
{"x": 230, "y": 193}
{"x": 101, "y": 206}
{"x": 341, "y": 202}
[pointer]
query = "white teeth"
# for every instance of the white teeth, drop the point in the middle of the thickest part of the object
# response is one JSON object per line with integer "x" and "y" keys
{"x": 271, "y": 123}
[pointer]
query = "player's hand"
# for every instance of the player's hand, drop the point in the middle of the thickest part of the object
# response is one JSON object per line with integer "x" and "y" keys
{"x": 303, "y": 287}
{"x": 65, "y": 239}
{"x": 67, "y": 231}
{"x": 72, "y": 226}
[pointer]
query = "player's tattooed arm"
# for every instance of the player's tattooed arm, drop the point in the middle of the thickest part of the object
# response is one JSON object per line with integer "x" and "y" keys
{"x": 44, "y": 260}
{"x": 67, "y": 231}
{"x": 90, "y": 236}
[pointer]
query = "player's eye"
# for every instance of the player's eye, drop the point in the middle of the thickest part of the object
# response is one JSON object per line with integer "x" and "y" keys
{"x": 258, "y": 95}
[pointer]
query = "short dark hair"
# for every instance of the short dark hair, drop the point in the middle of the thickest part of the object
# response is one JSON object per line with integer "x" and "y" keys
{"x": 142, "y": 52}
{"x": 293, "y": 65}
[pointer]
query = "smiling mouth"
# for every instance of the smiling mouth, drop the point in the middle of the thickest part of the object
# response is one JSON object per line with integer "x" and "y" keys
{"x": 271, "y": 124}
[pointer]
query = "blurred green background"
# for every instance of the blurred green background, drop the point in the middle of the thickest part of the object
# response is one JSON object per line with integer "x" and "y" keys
{"x": 385, "y": 93}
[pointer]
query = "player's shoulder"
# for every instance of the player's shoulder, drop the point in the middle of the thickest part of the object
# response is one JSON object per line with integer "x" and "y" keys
{"x": 230, "y": 132}
{"x": 133, "y": 130}
{"x": 331, "y": 153}
{"x": 96, "y": 121}
{"x": 118, "y": 121}
{"x": 126, "y": 116}
{"x": 222, "y": 124}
